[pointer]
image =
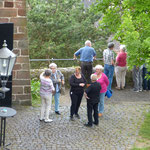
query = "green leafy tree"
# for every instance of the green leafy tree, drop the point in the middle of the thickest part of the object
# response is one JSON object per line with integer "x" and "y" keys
{"x": 57, "y": 28}
{"x": 129, "y": 22}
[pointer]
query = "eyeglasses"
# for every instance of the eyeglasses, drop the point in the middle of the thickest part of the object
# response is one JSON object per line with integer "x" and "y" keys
{"x": 53, "y": 68}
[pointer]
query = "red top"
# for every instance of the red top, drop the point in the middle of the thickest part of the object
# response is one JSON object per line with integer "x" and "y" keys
{"x": 104, "y": 82}
{"x": 121, "y": 59}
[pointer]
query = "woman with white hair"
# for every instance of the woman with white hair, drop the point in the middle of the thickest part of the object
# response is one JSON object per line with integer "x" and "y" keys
{"x": 121, "y": 68}
{"x": 58, "y": 80}
{"x": 104, "y": 82}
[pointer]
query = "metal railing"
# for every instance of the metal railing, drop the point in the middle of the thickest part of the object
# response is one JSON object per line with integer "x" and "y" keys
{"x": 40, "y": 63}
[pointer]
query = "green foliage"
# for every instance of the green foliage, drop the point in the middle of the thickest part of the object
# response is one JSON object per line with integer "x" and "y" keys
{"x": 145, "y": 129}
{"x": 35, "y": 92}
{"x": 129, "y": 22}
{"x": 57, "y": 28}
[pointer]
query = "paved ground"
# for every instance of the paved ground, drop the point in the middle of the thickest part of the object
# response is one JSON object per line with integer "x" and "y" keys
{"x": 117, "y": 130}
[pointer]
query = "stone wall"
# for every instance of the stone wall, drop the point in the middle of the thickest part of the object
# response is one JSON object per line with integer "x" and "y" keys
{"x": 14, "y": 11}
{"x": 67, "y": 72}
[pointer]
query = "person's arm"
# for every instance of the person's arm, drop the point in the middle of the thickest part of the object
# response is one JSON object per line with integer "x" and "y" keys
{"x": 62, "y": 77}
{"x": 106, "y": 80}
{"x": 74, "y": 57}
{"x": 77, "y": 53}
{"x": 112, "y": 59}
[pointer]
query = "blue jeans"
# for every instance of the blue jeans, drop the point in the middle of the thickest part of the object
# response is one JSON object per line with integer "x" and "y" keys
{"x": 56, "y": 97}
{"x": 101, "y": 103}
{"x": 146, "y": 82}
{"x": 109, "y": 71}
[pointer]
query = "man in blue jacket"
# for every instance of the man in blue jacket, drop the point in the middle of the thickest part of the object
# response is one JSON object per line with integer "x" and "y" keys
{"x": 87, "y": 54}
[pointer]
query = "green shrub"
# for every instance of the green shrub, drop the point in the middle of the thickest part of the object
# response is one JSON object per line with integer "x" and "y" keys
{"x": 35, "y": 92}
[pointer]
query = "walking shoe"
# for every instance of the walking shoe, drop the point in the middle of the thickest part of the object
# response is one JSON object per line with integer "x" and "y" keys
{"x": 135, "y": 90}
{"x": 118, "y": 88}
{"x": 71, "y": 118}
{"x": 140, "y": 90}
{"x": 87, "y": 125}
{"x": 95, "y": 123}
{"x": 57, "y": 112}
{"x": 122, "y": 88}
{"x": 41, "y": 119}
{"x": 77, "y": 116}
{"x": 48, "y": 120}
{"x": 100, "y": 115}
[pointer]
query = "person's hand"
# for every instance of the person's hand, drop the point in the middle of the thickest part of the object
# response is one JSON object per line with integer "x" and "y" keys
{"x": 62, "y": 82}
{"x": 86, "y": 96}
{"x": 59, "y": 80}
{"x": 82, "y": 84}
{"x": 53, "y": 92}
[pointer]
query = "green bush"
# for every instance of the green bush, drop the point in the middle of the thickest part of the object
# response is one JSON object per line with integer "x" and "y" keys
{"x": 35, "y": 92}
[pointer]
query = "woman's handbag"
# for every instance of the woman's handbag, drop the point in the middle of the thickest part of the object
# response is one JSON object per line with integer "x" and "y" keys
{"x": 62, "y": 90}
{"x": 108, "y": 93}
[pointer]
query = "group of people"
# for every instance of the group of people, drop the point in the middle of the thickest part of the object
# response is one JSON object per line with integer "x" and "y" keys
{"x": 85, "y": 83}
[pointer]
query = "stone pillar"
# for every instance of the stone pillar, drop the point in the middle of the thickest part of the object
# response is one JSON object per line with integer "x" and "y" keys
{"x": 14, "y": 11}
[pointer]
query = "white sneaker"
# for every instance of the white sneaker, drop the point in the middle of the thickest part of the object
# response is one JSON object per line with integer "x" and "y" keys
{"x": 48, "y": 120}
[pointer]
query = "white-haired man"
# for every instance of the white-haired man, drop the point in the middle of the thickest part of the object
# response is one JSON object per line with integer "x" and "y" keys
{"x": 87, "y": 54}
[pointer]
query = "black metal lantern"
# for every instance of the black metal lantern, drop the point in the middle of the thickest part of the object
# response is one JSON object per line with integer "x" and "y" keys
{"x": 7, "y": 61}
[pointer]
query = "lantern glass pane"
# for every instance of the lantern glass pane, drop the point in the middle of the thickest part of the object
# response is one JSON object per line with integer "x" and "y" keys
{"x": 4, "y": 64}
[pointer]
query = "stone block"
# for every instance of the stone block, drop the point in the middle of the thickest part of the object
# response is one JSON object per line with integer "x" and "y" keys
{"x": 27, "y": 89}
{"x": 17, "y": 67}
{"x": 17, "y": 52}
{"x": 21, "y": 12}
{"x": 22, "y": 30}
{"x": 8, "y": 13}
{"x": 20, "y": 4}
{"x": 17, "y": 90}
{"x": 25, "y": 66}
{"x": 8, "y": 4}
{"x": 23, "y": 75}
{"x": 23, "y": 44}
{"x": 21, "y": 59}
{"x": 25, "y": 52}
{"x": 1, "y": 4}
{"x": 19, "y": 21}
{"x": 4, "y": 20}
{"x": 15, "y": 44}
{"x": 20, "y": 36}
{"x": 23, "y": 97}
{"x": 20, "y": 82}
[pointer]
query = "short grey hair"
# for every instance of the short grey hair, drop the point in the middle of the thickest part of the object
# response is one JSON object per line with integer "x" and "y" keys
{"x": 93, "y": 77}
{"x": 52, "y": 65}
{"x": 111, "y": 45}
{"x": 123, "y": 47}
{"x": 87, "y": 42}
{"x": 99, "y": 67}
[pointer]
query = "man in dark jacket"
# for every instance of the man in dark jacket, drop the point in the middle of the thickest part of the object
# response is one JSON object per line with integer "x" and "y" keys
{"x": 92, "y": 94}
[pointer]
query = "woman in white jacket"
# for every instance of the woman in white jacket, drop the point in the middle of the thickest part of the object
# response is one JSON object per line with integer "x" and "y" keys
{"x": 46, "y": 90}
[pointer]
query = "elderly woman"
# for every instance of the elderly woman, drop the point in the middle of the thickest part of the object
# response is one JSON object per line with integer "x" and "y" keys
{"x": 104, "y": 82}
{"x": 121, "y": 68}
{"x": 77, "y": 83}
{"x": 46, "y": 90}
{"x": 58, "y": 80}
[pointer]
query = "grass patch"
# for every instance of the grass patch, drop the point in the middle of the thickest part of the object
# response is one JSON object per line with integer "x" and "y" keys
{"x": 143, "y": 141}
{"x": 145, "y": 128}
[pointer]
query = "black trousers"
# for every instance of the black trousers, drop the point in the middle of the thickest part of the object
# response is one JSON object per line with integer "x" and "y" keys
{"x": 86, "y": 69}
{"x": 90, "y": 108}
{"x": 75, "y": 102}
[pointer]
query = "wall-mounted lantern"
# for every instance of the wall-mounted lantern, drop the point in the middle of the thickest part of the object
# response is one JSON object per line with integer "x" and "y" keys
{"x": 7, "y": 61}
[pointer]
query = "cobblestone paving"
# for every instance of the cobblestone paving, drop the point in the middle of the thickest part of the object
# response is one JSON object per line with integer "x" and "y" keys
{"x": 117, "y": 129}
